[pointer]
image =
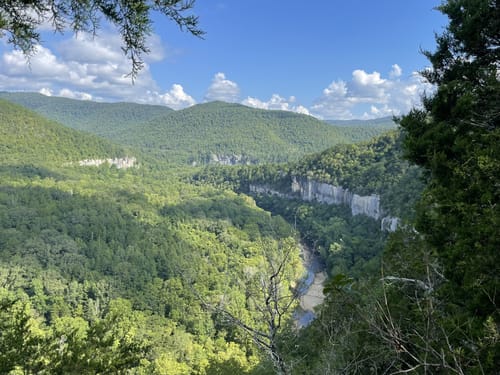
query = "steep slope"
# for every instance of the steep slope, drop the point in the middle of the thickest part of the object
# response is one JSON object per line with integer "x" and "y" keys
{"x": 215, "y": 132}
{"x": 103, "y": 119}
{"x": 343, "y": 200}
{"x": 98, "y": 254}
{"x": 228, "y": 133}
{"x": 362, "y": 130}
{"x": 28, "y": 138}
{"x": 370, "y": 169}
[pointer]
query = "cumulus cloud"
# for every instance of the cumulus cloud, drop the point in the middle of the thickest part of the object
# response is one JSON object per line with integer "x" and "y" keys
{"x": 222, "y": 89}
{"x": 77, "y": 67}
{"x": 45, "y": 91}
{"x": 396, "y": 71}
{"x": 67, "y": 93}
{"x": 276, "y": 102}
{"x": 369, "y": 95}
{"x": 175, "y": 98}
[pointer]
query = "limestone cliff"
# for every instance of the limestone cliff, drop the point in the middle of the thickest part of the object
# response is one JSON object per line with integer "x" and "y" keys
{"x": 126, "y": 162}
{"x": 313, "y": 191}
{"x": 231, "y": 159}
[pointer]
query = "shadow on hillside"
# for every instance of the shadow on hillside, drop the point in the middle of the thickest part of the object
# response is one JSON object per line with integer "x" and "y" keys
{"x": 235, "y": 210}
{"x": 29, "y": 171}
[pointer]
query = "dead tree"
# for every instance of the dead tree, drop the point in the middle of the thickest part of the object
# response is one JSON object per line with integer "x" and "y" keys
{"x": 272, "y": 299}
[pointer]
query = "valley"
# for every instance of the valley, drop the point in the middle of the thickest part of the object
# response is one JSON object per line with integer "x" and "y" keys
{"x": 92, "y": 229}
{"x": 156, "y": 246}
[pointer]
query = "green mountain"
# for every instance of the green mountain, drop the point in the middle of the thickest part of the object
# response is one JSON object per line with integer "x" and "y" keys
{"x": 103, "y": 119}
{"x": 28, "y": 138}
{"x": 362, "y": 130}
{"x": 214, "y": 132}
{"x": 211, "y": 132}
{"x": 230, "y": 133}
{"x": 386, "y": 122}
{"x": 104, "y": 270}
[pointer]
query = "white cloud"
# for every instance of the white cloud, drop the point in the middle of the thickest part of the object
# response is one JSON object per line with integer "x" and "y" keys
{"x": 396, "y": 71}
{"x": 176, "y": 98}
{"x": 369, "y": 95}
{"x": 222, "y": 89}
{"x": 368, "y": 87}
{"x": 84, "y": 48}
{"x": 79, "y": 66}
{"x": 67, "y": 93}
{"x": 276, "y": 102}
{"x": 302, "y": 109}
{"x": 45, "y": 91}
{"x": 86, "y": 68}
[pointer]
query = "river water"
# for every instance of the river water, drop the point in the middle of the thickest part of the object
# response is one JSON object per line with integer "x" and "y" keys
{"x": 311, "y": 288}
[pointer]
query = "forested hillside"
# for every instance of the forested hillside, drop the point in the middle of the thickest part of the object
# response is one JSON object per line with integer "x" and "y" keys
{"x": 433, "y": 306}
{"x": 362, "y": 130}
{"x": 429, "y": 304}
{"x": 103, "y": 119}
{"x": 26, "y": 137}
{"x": 104, "y": 270}
{"x": 217, "y": 132}
{"x": 166, "y": 268}
{"x": 347, "y": 243}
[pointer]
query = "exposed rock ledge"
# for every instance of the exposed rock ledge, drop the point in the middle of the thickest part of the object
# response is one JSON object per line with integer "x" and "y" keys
{"x": 311, "y": 190}
{"x": 230, "y": 159}
{"x": 120, "y": 163}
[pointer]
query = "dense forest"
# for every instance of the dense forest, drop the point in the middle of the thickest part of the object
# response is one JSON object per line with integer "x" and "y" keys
{"x": 211, "y": 133}
{"x": 107, "y": 269}
{"x": 169, "y": 267}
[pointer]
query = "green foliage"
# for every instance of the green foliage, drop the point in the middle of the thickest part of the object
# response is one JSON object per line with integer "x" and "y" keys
{"x": 27, "y": 138}
{"x": 455, "y": 138}
{"x": 105, "y": 270}
{"x": 373, "y": 167}
{"x": 102, "y": 119}
{"x": 433, "y": 308}
{"x": 209, "y": 133}
{"x": 206, "y": 132}
{"x": 21, "y": 20}
{"x": 346, "y": 243}
{"x": 363, "y": 130}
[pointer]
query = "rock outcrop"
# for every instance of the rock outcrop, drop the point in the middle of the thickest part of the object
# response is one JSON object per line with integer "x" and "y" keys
{"x": 120, "y": 163}
{"x": 314, "y": 191}
{"x": 311, "y": 190}
{"x": 229, "y": 160}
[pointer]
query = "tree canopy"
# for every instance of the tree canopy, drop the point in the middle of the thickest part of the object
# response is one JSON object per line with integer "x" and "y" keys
{"x": 21, "y": 20}
{"x": 455, "y": 138}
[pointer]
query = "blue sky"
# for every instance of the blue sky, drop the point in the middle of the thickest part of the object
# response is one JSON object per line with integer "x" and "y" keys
{"x": 331, "y": 59}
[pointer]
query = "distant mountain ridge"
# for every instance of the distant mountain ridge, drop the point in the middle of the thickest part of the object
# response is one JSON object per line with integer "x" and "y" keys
{"x": 103, "y": 119}
{"x": 214, "y": 132}
{"x": 386, "y": 121}
{"x": 26, "y": 137}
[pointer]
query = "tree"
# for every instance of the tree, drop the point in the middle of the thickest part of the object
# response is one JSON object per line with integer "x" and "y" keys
{"x": 272, "y": 300}
{"x": 455, "y": 138}
{"x": 20, "y": 21}
{"x": 20, "y": 337}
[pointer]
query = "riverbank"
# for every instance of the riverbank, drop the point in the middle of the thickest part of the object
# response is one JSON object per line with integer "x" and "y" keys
{"x": 312, "y": 287}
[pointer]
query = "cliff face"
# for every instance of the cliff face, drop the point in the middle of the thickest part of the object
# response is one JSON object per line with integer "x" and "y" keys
{"x": 230, "y": 159}
{"x": 126, "y": 162}
{"x": 311, "y": 190}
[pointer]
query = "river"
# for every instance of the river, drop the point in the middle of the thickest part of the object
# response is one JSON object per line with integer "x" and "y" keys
{"x": 312, "y": 287}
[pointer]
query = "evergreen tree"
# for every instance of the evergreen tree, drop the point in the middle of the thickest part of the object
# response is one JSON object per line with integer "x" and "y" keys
{"x": 455, "y": 137}
{"x": 21, "y": 20}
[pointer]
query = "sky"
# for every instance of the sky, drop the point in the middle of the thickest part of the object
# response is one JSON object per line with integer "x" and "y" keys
{"x": 332, "y": 59}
